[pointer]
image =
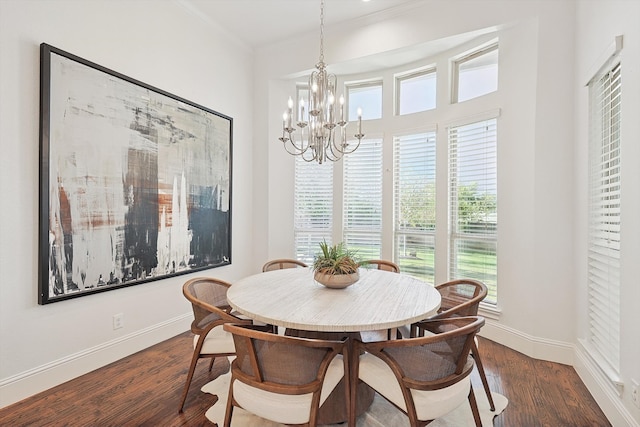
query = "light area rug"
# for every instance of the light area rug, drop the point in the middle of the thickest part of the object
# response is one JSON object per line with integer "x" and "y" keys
{"x": 380, "y": 414}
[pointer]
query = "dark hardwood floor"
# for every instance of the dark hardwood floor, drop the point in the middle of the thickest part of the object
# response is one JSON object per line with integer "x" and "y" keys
{"x": 144, "y": 390}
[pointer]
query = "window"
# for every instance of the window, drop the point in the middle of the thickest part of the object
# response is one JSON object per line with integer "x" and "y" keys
{"x": 476, "y": 74}
{"x": 473, "y": 203}
{"x": 362, "y": 199}
{"x": 367, "y": 97}
{"x": 416, "y": 92}
{"x": 393, "y": 173}
{"x": 604, "y": 215}
{"x": 313, "y": 207}
{"x": 415, "y": 204}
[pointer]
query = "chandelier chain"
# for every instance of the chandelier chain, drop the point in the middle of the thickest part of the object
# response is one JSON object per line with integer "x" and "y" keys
{"x": 321, "y": 31}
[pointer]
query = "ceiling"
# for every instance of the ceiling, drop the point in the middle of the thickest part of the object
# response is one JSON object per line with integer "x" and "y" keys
{"x": 258, "y": 23}
{"x": 262, "y": 22}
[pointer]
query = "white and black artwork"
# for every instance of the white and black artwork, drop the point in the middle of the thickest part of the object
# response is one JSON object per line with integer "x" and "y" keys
{"x": 135, "y": 183}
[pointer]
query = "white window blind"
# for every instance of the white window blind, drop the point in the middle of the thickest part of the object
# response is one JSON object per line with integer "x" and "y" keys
{"x": 414, "y": 188}
{"x": 473, "y": 203}
{"x": 604, "y": 215}
{"x": 313, "y": 207}
{"x": 362, "y": 199}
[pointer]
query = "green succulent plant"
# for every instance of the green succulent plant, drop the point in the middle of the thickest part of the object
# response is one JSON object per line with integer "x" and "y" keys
{"x": 336, "y": 259}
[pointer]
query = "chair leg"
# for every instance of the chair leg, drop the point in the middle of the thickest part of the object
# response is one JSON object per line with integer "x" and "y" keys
{"x": 474, "y": 408}
{"x": 476, "y": 357}
{"x": 192, "y": 368}
{"x": 213, "y": 359}
{"x": 229, "y": 412}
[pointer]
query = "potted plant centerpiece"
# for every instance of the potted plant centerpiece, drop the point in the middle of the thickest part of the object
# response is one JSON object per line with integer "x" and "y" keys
{"x": 335, "y": 266}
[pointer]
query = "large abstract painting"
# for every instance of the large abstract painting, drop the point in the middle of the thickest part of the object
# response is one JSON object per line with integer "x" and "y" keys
{"x": 135, "y": 183}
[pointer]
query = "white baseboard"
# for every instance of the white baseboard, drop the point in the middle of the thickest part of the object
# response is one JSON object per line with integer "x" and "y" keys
{"x": 28, "y": 383}
{"x": 569, "y": 354}
{"x": 538, "y": 348}
{"x": 602, "y": 390}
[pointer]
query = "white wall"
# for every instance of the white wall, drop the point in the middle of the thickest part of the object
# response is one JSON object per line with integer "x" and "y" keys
{"x": 598, "y": 23}
{"x": 161, "y": 44}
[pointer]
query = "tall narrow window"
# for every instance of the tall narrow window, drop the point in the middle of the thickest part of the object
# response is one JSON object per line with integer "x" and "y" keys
{"x": 415, "y": 204}
{"x": 604, "y": 215}
{"x": 313, "y": 207}
{"x": 473, "y": 203}
{"x": 476, "y": 74}
{"x": 362, "y": 225}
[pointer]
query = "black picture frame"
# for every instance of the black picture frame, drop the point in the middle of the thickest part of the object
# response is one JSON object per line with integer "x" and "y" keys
{"x": 135, "y": 182}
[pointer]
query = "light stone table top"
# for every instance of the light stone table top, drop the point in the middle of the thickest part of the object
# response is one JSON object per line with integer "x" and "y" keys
{"x": 291, "y": 298}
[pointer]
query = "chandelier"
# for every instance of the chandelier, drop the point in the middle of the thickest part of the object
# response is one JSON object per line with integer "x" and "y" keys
{"x": 323, "y": 135}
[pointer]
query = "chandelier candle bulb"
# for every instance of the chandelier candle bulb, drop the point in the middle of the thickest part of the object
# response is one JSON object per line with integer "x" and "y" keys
{"x": 284, "y": 125}
{"x": 359, "y": 121}
{"x": 331, "y": 101}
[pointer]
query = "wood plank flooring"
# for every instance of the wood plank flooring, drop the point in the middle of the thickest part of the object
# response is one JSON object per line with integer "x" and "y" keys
{"x": 144, "y": 390}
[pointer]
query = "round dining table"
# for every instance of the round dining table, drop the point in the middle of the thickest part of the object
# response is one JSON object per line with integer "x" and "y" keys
{"x": 291, "y": 298}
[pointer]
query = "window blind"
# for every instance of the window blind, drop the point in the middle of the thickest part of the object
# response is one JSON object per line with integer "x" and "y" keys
{"x": 313, "y": 207}
{"x": 362, "y": 199}
{"x": 604, "y": 215}
{"x": 473, "y": 203}
{"x": 414, "y": 191}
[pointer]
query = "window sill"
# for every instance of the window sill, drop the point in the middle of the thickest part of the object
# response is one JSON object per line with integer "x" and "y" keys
{"x": 490, "y": 311}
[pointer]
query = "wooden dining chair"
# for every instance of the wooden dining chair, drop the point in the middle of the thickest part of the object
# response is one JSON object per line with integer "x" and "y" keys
{"x": 381, "y": 264}
{"x": 279, "y": 264}
{"x": 210, "y": 310}
{"x": 462, "y": 297}
{"x": 424, "y": 377}
{"x": 284, "y": 379}
{"x": 385, "y": 265}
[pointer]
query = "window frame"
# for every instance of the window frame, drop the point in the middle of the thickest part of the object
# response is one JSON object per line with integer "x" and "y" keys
{"x": 402, "y": 77}
{"x": 457, "y": 62}
{"x": 478, "y": 238}
{"x": 360, "y": 85}
{"x": 352, "y": 233}
{"x": 400, "y": 231}
{"x": 603, "y": 258}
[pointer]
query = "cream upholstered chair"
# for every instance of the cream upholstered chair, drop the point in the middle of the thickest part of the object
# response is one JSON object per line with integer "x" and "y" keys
{"x": 279, "y": 264}
{"x": 462, "y": 297}
{"x": 425, "y": 377}
{"x": 208, "y": 297}
{"x": 381, "y": 264}
{"x": 283, "y": 379}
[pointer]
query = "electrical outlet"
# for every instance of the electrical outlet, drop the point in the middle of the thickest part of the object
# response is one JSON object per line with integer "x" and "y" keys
{"x": 118, "y": 321}
{"x": 634, "y": 393}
